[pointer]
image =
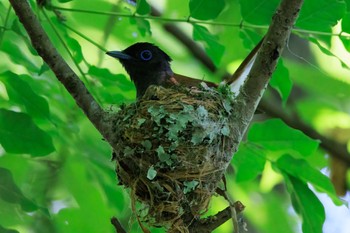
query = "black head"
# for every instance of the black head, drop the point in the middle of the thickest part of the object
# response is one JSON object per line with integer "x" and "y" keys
{"x": 146, "y": 64}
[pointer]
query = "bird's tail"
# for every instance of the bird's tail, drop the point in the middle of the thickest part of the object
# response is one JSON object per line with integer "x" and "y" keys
{"x": 237, "y": 79}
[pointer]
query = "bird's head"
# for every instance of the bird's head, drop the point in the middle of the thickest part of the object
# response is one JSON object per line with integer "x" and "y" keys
{"x": 146, "y": 64}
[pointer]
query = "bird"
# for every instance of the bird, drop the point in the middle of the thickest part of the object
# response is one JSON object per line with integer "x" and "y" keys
{"x": 148, "y": 65}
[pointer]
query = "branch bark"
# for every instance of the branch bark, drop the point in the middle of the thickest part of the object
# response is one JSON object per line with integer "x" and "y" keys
{"x": 63, "y": 72}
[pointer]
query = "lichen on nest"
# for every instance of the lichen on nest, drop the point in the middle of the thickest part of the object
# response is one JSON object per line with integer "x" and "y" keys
{"x": 172, "y": 148}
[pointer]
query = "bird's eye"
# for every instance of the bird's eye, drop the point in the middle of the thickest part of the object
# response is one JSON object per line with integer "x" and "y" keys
{"x": 146, "y": 55}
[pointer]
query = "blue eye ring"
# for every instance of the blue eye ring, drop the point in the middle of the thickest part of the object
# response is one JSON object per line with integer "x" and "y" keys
{"x": 146, "y": 55}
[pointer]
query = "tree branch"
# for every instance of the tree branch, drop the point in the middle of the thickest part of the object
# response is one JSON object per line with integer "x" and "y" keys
{"x": 269, "y": 54}
{"x": 117, "y": 225}
{"x": 63, "y": 72}
{"x": 335, "y": 149}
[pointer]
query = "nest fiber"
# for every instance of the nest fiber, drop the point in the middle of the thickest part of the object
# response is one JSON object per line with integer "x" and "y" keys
{"x": 172, "y": 148}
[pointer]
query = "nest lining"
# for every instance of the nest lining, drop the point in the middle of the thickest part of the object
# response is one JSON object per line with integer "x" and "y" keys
{"x": 172, "y": 148}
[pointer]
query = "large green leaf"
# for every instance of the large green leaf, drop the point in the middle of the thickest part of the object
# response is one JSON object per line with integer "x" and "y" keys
{"x": 275, "y": 135}
{"x": 302, "y": 170}
{"x": 206, "y": 9}
{"x": 321, "y": 15}
{"x": 249, "y": 162}
{"x": 306, "y": 203}
{"x": 21, "y": 93}
{"x": 214, "y": 49}
{"x": 10, "y": 192}
{"x": 19, "y": 134}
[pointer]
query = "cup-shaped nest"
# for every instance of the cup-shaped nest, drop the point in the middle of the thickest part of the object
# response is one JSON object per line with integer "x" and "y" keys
{"x": 172, "y": 148}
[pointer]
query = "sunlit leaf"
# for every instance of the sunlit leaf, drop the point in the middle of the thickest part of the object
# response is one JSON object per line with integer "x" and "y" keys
{"x": 19, "y": 135}
{"x": 328, "y": 52}
{"x": 302, "y": 170}
{"x": 320, "y": 15}
{"x": 249, "y": 162}
{"x": 275, "y": 135}
{"x": 21, "y": 93}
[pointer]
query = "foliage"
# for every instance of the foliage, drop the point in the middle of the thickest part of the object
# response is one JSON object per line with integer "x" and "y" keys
{"x": 55, "y": 169}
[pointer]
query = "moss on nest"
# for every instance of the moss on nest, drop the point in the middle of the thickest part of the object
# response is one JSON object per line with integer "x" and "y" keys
{"x": 172, "y": 149}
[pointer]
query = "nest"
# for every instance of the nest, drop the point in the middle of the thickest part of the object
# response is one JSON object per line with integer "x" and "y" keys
{"x": 172, "y": 148}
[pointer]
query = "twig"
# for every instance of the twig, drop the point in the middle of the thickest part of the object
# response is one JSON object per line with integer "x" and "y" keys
{"x": 118, "y": 227}
{"x": 196, "y": 51}
{"x": 335, "y": 149}
{"x": 211, "y": 223}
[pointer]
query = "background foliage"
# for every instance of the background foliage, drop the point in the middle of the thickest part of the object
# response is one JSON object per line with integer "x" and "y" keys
{"x": 55, "y": 169}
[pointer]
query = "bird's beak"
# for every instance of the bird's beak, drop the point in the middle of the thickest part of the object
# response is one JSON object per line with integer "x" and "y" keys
{"x": 119, "y": 55}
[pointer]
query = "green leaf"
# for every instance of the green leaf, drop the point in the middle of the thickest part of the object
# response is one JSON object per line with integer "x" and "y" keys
{"x": 17, "y": 55}
{"x": 306, "y": 204}
{"x": 281, "y": 81}
{"x": 206, "y": 9}
{"x": 109, "y": 79}
{"x": 142, "y": 7}
{"x": 214, "y": 49}
{"x": 143, "y": 26}
{"x": 258, "y": 12}
{"x": 320, "y": 15}
{"x": 10, "y": 192}
{"x": 328, "y": 52}
{"x": 19, "y": 135}
{"x": 21, "y": 93}
{"x": 163, "y": 156}
{"x": 275, "y": 135}
{"x": 5, "y": 230}
{"x": 147, "y": 144}
{"x": 75, "y": 49}
{"x": 18, "y": 28}
{"x": 190, "y": 186}
{"x": 301, "y": 169}
{"x": 249, "y": 162}
{"x": 151, "y": 173}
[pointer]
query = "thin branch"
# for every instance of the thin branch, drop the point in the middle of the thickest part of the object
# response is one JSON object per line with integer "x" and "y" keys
{"x": 194, "y": 21}
{"x": 335, "y": 149}
{"x": 117, "y": 226}
{"x": 63, "y": 72}
{"x": 209, "y": 224}
{"x": 269, "y": 54}
{"x": 197, "y": 51}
